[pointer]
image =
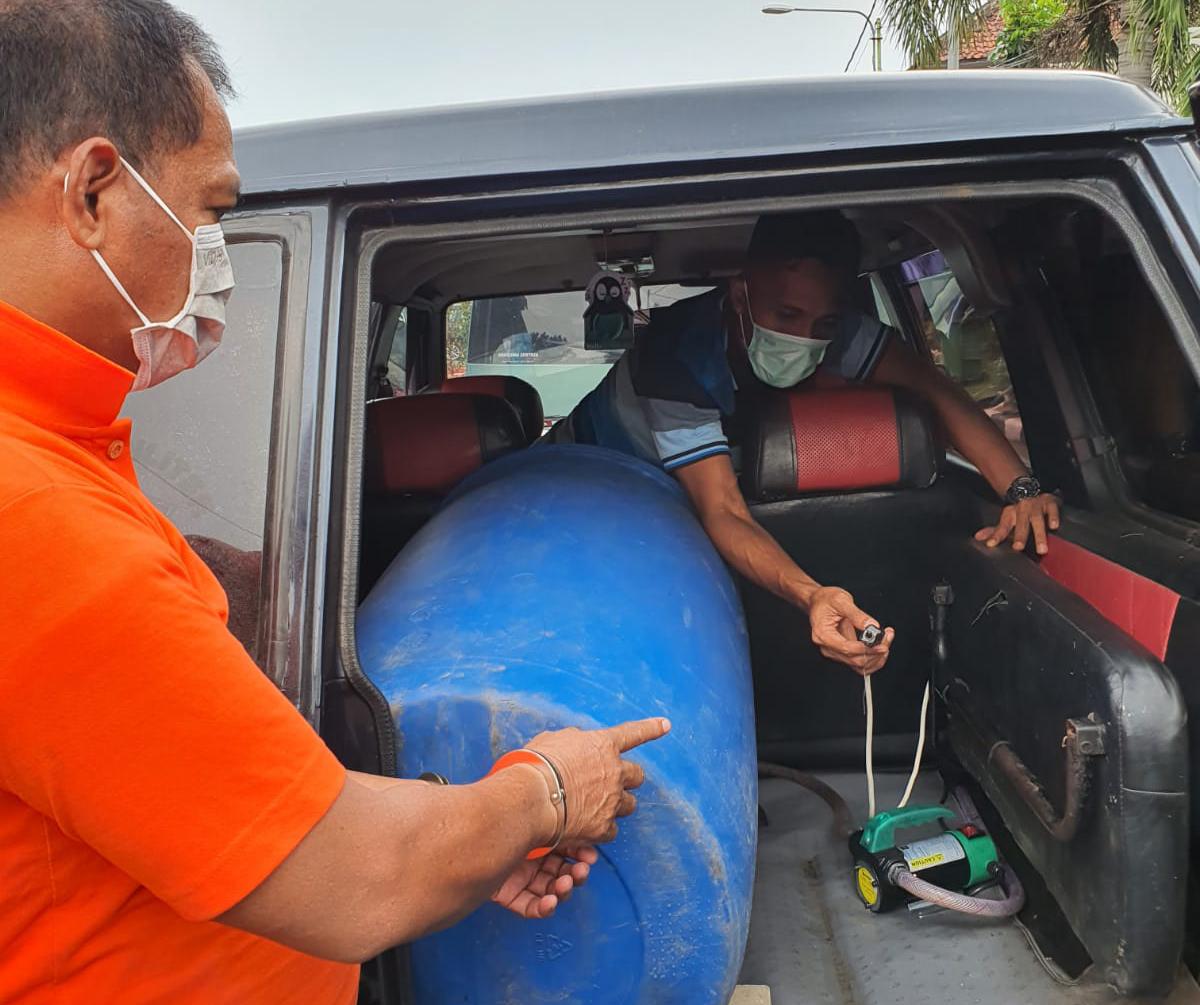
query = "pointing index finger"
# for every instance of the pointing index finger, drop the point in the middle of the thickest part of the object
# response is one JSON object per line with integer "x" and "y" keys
{"x": 628, "y": 735}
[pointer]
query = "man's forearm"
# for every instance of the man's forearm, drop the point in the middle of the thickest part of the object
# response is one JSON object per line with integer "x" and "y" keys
{"x": 480, "y": 834}
{"x": 832, "y": 613}
{"x": 395, "y": 860}
{"x": 976, "y": 437}
{"x": 472, "y": 815}
{"x": 758, "y": 557}
{"x": 968, "y": 427}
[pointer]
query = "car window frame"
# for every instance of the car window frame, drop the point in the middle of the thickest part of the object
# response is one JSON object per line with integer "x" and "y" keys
{"x": 284, "y": 582}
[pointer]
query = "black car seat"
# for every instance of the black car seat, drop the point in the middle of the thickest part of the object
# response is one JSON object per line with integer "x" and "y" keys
{"x": 416, "y": 450}
{"x": 845, "y": 478}
{"x": 522, "y": 395}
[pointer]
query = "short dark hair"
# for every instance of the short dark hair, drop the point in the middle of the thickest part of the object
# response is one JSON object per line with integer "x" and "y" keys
{"x": 824, "y": 235}
{"x": 125, "y": 69}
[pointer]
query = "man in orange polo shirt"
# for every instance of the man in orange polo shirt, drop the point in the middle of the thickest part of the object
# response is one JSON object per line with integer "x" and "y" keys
{"x": 171, "y": 830}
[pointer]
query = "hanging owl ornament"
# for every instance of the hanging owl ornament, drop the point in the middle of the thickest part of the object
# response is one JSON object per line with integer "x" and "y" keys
{"x": 608, "y": 318}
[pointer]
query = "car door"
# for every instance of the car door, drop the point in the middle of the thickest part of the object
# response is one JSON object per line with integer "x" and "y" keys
{"x": 228, "y": 451}
{"x": 1055, "y": 675}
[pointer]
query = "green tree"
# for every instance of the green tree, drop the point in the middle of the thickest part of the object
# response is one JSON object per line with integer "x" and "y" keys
{"x": 1024, "y": 23}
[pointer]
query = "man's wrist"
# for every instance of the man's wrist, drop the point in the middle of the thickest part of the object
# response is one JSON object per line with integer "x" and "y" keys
{"x": 1023, "y": 487}
{"x": 533, "y": 804}
{"x": 801, "y": 593}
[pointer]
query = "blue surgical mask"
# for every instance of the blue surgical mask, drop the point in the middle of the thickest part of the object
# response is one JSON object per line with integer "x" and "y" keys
{"x": 779, "y": 359}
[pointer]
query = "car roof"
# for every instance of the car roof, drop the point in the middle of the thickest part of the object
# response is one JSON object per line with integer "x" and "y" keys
{"x": 622, "y": 129}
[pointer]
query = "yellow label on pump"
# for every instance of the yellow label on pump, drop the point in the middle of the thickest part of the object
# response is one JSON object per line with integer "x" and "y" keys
{"x": 867, "y": 888}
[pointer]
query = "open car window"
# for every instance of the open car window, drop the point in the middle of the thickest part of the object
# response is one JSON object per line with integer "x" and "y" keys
{"x": 963, "y": 342}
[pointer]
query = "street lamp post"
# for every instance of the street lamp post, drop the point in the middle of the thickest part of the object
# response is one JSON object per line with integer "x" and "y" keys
{"x": 876, "y": 26}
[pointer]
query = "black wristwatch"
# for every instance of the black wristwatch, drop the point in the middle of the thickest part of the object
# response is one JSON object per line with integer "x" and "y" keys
{"x": 1024, "y": 487}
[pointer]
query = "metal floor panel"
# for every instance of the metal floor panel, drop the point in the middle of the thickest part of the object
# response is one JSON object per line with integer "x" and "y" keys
{"x": 813, "y": 943}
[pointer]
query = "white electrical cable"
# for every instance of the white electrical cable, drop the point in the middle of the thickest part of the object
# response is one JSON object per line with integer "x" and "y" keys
{"x": 870, "y": 745}
{"x": 870, "y": 753}
{"x": 912, "y": 779}
{"x": 900, "y": 874}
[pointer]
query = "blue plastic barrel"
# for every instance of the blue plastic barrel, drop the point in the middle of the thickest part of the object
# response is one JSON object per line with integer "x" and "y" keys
{"x": 572, "y": 585}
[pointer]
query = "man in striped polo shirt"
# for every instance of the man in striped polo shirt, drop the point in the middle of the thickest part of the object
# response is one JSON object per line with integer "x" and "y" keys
{"x": 783, "y": 320}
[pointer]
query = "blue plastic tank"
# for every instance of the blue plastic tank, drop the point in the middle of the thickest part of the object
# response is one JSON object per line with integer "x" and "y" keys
{"x": 572, "y": 586}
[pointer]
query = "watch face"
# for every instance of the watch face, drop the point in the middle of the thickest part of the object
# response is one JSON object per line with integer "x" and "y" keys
{"x": 1025, "y": 487}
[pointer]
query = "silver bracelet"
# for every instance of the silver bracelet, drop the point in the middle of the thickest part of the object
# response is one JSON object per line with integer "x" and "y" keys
{"x": 558, "y": 797}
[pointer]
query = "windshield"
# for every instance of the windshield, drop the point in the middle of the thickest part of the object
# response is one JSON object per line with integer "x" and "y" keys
{"x": 538, "y": 337}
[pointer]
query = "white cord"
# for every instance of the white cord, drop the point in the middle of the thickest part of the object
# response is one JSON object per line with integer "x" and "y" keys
{"x": 870, "y": 754}
{"x": 912, "y": 779}
{"x": 870, "y": 746}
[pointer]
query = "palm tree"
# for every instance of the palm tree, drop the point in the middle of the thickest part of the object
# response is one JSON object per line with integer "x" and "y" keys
{"x": 1136, "y": 46}
{"x": 1161, "y": 28}
{"x": 1144, "y": 41}
{"x": 923, "y": 26}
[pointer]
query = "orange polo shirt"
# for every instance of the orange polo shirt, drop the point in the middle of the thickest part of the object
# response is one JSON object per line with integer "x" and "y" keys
{"x": 150, "y": 776}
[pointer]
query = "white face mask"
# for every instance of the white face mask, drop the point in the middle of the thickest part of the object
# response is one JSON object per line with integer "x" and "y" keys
{"x": 166, "y": 348}
{"x": 779, "y": 359}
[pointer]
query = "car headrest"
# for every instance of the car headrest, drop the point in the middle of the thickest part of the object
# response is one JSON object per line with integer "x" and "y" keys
{"x": 427, "y": 443}
{"x": 522, "y": 395}
{"x": 813, "y": 440}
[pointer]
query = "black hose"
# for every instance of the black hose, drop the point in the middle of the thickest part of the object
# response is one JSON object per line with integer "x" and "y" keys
{"x": 843, "y": 819}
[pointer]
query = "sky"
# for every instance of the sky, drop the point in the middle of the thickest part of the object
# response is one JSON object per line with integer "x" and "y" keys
{"x": 297, "y": 59}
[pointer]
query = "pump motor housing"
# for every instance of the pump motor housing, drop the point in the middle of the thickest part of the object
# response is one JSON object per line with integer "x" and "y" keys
{"x": 958, "y": 859}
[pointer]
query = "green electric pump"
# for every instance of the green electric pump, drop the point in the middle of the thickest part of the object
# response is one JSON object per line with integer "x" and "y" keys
{"x": 956, "y": 861}
{"x": 945, "y": 871}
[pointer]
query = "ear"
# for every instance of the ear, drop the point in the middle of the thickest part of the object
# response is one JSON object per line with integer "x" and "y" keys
{"x": 91, "y": 170}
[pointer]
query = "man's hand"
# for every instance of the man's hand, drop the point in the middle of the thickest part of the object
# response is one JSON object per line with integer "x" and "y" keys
{"x": 1029, "y": 515}
{"x": 595, "y": 777}
{"x": 535, "y": 889}
{"x": 835, "y": 619}
{"x": 596, "y": 781}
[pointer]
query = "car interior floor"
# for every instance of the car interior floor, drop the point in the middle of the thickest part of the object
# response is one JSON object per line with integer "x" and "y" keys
{"x": 813, "y": 943}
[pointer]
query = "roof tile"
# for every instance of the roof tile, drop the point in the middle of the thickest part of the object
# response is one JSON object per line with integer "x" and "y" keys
{"x": 979, "y": 44}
